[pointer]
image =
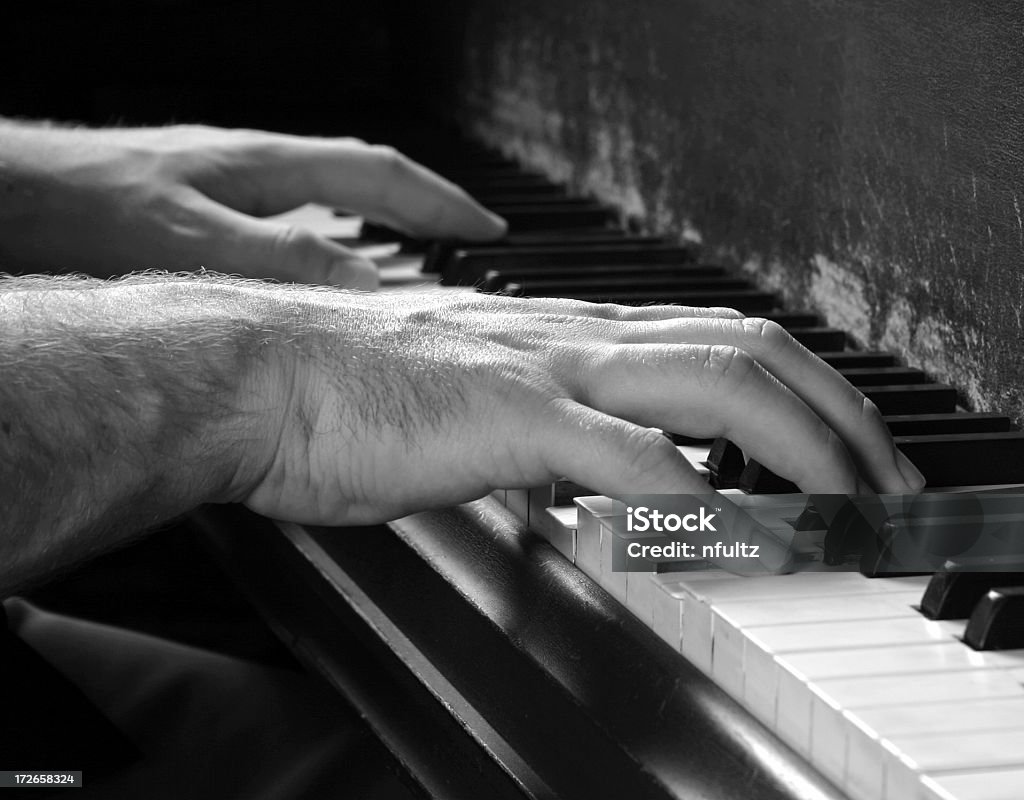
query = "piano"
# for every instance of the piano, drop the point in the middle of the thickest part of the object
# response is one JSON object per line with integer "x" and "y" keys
{"x": 497, "y": 652}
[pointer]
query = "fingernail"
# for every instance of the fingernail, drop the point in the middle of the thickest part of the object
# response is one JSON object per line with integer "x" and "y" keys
{"x": 500, "y": 225}
{"x": 911, "y": 475}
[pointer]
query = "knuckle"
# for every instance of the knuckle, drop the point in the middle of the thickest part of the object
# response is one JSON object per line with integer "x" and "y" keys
{"x": 297, "y": 248}
{"x": 650, "y": 453}
{"x": 729, "y": 365}
{"x": 611, "y": 311}
{"x": 292, "y": 238}
{"x": 392, "y": 162}
{"x": 766, "y": 336}
{"x": 393, "y": 170}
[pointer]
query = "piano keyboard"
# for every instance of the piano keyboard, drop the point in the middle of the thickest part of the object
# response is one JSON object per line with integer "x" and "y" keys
{"x": 884, "y": 701}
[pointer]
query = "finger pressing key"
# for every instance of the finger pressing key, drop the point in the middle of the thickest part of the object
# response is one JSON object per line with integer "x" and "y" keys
{"x": 720, "y": 390}
{"x": 841, "y": 406}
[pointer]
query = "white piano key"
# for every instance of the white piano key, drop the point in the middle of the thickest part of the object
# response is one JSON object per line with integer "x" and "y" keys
{"x": 518, "y": 502}
{"x": 646, "y": 590}
{"x": 731, "y": 619}
{"x": 559, "y": 528}
{"x": 834, "y": 609}
{"x": 538, "y": 499}
{"x": 590, "y": 511}
{"x": 1002, "y": 784}
{"x": 914, "y": 756}
{"x": 876, "y": 692}
{"x": 868, "y": 727}
{"x": 861, "y": 774}
{"x": 712, "y": 618}
{"x": 618, "y": 582}
{"x": 667, "y": 614}
{"x": 778, "y": 674}
{"x": 778, "y": 670}
{"x": 323, "y": 221}
{"x": 611, "y": 580}
{"x": 831, "y": 729}
{"x": 696, "y": 455}
{"x": 696, "y": 642}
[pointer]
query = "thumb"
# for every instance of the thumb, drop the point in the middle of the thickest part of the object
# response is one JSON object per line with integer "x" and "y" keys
{"x": 297, "y": 255}
{"x": 260, "y": 248}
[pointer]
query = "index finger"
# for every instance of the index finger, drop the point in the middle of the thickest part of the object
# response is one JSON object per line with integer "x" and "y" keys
{"x": 371, "y": 180}
{"x": 845, "y": 409}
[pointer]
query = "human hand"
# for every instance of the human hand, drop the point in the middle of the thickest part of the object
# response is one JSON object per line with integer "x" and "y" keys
{"x": 375, "y": 406}
{"x": 114, "y": 200}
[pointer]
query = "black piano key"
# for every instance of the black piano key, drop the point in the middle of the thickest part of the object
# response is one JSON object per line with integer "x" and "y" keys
{"x": 725, "y": 464}
{"x": 884, "y": 376}
{"x": 526, "y": 217}
{"x": 968, "y": 459}
{"x": 375, "y": 232}
{"x": 810, "y": 519}
{"x": 955, "y": 589}
{"x": 684, "y": 439}
{"x": 997, "y": 622}
{"x": 547, "y": 204}
{"x": 748, "y": 302}
{"x": 508, "y": 196}
{"x": 584, "y": 236}
{"x": 497, "y": 279}
{"x": 819, "y": 339}
{"x": 794, "y": 319}
{"x": 469, "y": 158}
{"x": 474, "y": 185}
{"x": 758, "y": 479}
{"x": 564, "y": 491}
{"x": 461, "y": 174}
{"x": 854, "y": 359}
{"x": 930, "y": 424}
{"x": 878, "y": 563}
{"x": 637, "y": 283}
{"x": 852, "y": 530}
{"x": 925, "y": 398}
{"x": 980, "y": 532}
{"x": 441, "y": 254}
{"x": 469, "y": 265}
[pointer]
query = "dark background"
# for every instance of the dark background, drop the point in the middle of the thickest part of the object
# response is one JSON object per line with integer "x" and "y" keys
{"x": 300, "y": 65}
{"x": 864, "y": 158}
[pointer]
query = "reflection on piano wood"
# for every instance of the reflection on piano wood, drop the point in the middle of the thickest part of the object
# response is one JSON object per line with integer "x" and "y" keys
{"x": 549, "y": 679}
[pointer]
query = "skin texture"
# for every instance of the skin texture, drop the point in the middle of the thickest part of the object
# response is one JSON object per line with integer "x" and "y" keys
{"x": 106, "y": 202}
{"x": 124, "y": 403}
{"x": 331, "y": 407}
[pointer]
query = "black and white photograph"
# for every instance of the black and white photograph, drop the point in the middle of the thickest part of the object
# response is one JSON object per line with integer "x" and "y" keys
{"x": 523, "y": 400}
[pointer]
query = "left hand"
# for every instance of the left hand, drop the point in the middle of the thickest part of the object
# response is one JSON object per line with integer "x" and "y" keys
{"x": 182, "y": 197}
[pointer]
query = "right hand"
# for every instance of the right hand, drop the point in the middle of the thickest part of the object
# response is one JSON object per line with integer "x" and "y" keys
{"x": 376, "y": 406}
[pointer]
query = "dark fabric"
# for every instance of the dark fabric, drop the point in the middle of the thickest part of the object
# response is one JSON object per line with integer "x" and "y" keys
{"x": 47, "y": 723}
{"x": 208, "y": 726}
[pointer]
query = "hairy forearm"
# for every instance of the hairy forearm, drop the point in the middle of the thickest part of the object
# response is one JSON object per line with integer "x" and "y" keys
{"x": 122, "y": 405}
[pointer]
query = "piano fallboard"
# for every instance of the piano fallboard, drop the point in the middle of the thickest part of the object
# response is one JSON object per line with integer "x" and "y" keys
{"x": 494, "y": 668}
